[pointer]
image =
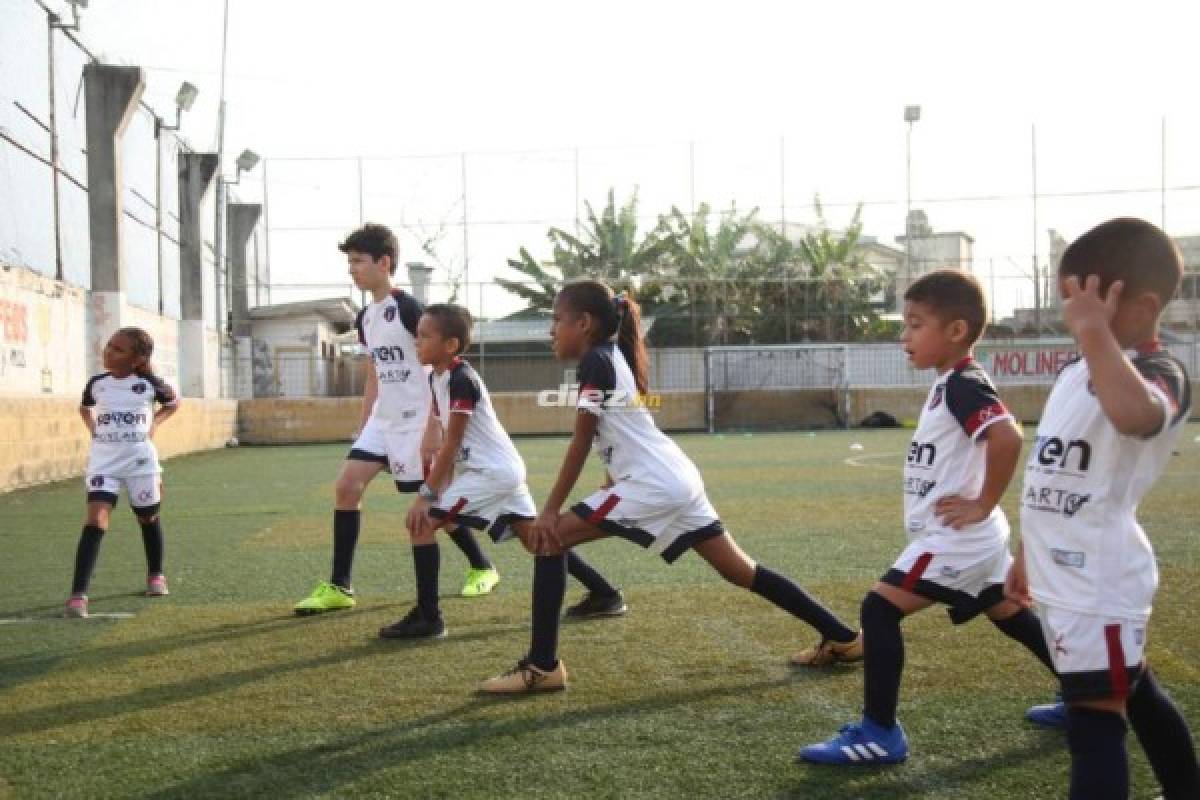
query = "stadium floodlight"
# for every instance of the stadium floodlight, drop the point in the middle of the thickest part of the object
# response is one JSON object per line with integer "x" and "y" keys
{"x": 55, "y": 22}
{"x": 912, "y": 113}
{"x": 247, "y": 161}
{"x": 185, "y": 98}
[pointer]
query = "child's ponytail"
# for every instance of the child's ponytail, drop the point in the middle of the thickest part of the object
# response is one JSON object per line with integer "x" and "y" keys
{"x": 629, "y": 339}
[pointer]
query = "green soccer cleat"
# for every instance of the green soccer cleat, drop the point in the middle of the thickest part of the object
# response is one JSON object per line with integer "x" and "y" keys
{"x": 326, "y": 597}
{"x": 480, "y": 582}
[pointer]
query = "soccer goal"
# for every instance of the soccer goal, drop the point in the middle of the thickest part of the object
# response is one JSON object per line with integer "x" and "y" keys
{"x": 769, "y": 368}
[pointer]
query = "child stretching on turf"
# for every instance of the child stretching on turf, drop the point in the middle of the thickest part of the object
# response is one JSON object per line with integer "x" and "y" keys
{"x": 477, "y": 478}
{"x": 395, "y": 420}
{"x": 118, "y": 410}
{"x": 654, "y": 497}
{"x": 1105, "y": 436}
{"x": 961, "y": 459}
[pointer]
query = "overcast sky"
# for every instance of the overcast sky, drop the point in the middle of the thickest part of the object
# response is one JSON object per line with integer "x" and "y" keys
{"x": 642, "y": 87}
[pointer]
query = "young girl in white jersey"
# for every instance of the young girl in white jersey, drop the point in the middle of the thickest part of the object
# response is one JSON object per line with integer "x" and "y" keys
{"x": 118, "y": 410}
{"x": 654, "y": 495}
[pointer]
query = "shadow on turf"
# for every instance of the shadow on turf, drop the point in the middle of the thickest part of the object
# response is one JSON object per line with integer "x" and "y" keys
{"x": 909, "y": 780}
{"x": 72, "y": 713}
{"x": 325, "y": 767}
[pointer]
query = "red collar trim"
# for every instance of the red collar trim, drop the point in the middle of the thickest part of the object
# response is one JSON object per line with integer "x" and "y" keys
{"x": 1152, "y": 346}
{"x": 963, "y": 364}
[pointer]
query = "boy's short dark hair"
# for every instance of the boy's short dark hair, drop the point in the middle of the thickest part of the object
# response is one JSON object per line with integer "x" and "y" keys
{"x": 1126, "y": 249}
{"x": 375, "y": 240}
{"x": 952, "y": 294}
{"x": 452, "y": 322}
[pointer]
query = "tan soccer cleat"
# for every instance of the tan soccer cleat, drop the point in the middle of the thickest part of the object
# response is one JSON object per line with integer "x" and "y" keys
{"x": 829, "y": 652}
{"x": 525, "y": 678}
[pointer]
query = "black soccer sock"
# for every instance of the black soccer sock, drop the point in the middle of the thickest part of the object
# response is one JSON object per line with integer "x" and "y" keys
{"x": 1099, "y": 762}
{"x": 152, "y": 542}
{"x": 426, "y": 563}
{"x": 85, "y": 557}
{"x": 1024, "y": 627}
{"x": 791, "y": 598}
{"x": 549, "y": 587}
{"x": 465, "y": 539}
{"x": 583, "y": 572}
{"x": 1164, "y": 735}
{"x": 345, "y": 539}
{"x": 883, "y": 654}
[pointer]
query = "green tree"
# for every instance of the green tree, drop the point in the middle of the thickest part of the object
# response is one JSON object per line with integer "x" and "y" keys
{"x": 610, "y": 248}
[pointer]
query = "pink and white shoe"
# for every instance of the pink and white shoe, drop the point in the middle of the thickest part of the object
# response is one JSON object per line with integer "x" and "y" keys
{"x": 76, "y": 607}
{"x": 156, "y": 586}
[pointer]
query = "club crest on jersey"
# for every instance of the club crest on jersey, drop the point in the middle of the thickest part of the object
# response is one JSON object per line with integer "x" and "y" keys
{"x": 138, "y": 388}
{"x": 939, "y": 392}
{"x": 389, "y": 313}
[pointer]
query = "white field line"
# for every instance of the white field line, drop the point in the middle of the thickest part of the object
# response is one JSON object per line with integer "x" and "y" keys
{"x": 857, "y": 461}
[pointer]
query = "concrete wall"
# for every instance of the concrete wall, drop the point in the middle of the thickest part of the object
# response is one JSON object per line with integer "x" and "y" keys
{"x": 42, "y": 438}
{"x": 335, "y": 419}
{"x": 42, "y": 334}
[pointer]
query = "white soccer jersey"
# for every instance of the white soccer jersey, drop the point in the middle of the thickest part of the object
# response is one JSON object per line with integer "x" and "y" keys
{"x": 486, "y": 446}
{"x": 124, "y": 410}
{"x": 947, "y": 455}
{"x": 387, "y": 329}
{"x": 1084, "y": 548}
{"x": 627, "y": 440}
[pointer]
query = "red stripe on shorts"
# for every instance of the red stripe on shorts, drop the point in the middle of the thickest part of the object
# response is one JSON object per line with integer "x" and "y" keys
{"x": 918, "y": 569}
{"x": 452, "y": 514}
{"x": 602, "y": 511}
{"x": 1116, "y": 661}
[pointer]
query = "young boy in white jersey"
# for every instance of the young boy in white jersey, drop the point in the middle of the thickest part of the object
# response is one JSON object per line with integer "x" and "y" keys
{"x": 396, "y": 431}
{"x": 961, "y": 459}
{"x": 1105, "y": 436}
{"x": 654, "y": 495}
{"x": 477, "y": 478}
{"x": 118, "y": 410}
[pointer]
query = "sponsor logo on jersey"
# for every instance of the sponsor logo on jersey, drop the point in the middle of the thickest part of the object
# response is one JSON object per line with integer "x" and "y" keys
{"x": 119, "y": 418}
{"x": 939, "y": 392}
{"x": 921, "y": 454}
{"x": 464, "y": 454}
{"x": 918, "y": 486}
{"x": 387, "y": 353}
{"x": 1068, "y": 558}
{"x": 1053, "y": 453}
{"x": 97, "y": 481}
{"x": 389, "y": 313}
{"x": 394, "y": 375}
{"x": 606, "y": 455}
{"x": 1056, "y": 501}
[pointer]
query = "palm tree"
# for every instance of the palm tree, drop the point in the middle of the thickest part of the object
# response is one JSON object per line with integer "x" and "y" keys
{"x": 609, "y": 248}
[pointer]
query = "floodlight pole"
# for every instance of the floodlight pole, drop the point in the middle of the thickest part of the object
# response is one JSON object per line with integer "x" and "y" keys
{"x": 911, "y": 115}
{"x": 219, "y": 227}
{"x": 1037, "y": 278}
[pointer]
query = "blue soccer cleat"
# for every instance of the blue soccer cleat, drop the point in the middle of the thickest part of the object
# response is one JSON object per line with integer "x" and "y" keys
{"x": 1049, "y": 715}
{"x": 861, "y": 744}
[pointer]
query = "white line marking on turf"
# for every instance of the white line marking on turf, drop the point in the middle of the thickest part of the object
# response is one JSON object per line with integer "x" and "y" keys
{"x": 856, "y": 461}
{"x": 92, "y": 615}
